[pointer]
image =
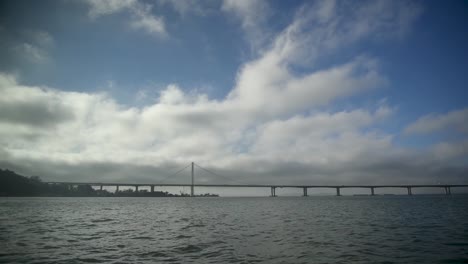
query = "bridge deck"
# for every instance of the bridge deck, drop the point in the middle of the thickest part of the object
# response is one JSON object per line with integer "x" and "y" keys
{"x": 259, "y": 185}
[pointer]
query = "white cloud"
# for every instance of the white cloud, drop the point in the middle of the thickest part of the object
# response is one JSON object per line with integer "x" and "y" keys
{"x": 446, "y": 150}
{"x": 172, "y": 95}
{"x": 335, "y": 137}
{"x": 324, "y": 26}
{"x": 73, "y": 130}
{"x": 150, "y": 24}
{"x": 253, "y": 15}
{"x": 142, "y": 17}
{"x": 455, "y": 120}
{"x": 268, "y": 87}
{"x": 145, "y": 21}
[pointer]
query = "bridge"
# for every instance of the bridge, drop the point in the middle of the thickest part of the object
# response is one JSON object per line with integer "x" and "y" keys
{"x": 446, "y": 187}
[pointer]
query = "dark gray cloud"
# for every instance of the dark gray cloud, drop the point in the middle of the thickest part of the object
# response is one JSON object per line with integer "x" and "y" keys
{"x": 396, "y": 171}
{"x": 37, "y": 113}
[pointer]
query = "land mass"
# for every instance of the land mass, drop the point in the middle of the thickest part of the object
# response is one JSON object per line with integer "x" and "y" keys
{"x": 12, "y": 184}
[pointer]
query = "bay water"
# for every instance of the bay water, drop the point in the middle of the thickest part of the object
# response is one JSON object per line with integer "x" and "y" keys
{"x": 316, "y": 229}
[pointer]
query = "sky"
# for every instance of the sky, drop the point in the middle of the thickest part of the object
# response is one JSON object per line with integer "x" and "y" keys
{"x": 266, "y": 92}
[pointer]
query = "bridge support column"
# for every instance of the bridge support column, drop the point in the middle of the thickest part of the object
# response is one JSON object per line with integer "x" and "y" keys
{"x": 372, "y": 191}
{"x": 273, "y": 191}
{"x": 136, "y": 188}
{"x": 100, "y": 188}
{"x": 409, "y": 191}
{"x": 152, "y": 188}
{"x": 116, "y": 188}
{"x": 338, "y": 191}
{"x": 304, "y": 190}
{"x": 192, "y": 189}
{"x": 447, "y": 190}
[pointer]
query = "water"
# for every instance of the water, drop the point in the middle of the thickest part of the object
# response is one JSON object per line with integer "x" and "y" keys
{"x": 381, "y": 229}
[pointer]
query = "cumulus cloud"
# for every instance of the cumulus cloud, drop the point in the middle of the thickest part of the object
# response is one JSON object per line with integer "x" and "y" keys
{"x": 93, "y": 133}
{"x": 455, "y": 120}
{"x": 336, "y": 136}
{"x": 142, "y": 17}
{"x": 267, "y": 87}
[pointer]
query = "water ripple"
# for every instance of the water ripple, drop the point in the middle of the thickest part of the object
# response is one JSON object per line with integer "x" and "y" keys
{"x": 426, "y": 229}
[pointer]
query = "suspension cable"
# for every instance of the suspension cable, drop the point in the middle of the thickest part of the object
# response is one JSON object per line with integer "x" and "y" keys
{"x": 216, "y": 174}
{"x": 174, "y": 174}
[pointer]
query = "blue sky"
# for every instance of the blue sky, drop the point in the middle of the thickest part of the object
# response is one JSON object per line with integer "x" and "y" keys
{"x": 146, "y": 83}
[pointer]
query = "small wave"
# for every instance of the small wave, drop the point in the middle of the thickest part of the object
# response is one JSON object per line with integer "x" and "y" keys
{"x": 183, "y": 236}
{"x": 91, "y": 238}
{"x": 50, "y": 247}
{"x": 86, "y": 225}
{"x": 90, "y": 260}
{"x": 102, "y": 220}
{"x": 188, "y": 249}
{"x": 459, "y": 244}
{"x": 211, "y": 254}
{"x": 142, "y": 238}
{"x": 460, "y": 260}
{"x": 155, "y": 254}
{"x": 192, "y": 226}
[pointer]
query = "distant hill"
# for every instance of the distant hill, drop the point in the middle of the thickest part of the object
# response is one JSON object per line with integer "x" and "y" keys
{"x": 12, "y": 184}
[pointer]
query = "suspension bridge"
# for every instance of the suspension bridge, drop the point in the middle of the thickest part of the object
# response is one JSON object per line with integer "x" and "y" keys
{"x": 192, "y": 184}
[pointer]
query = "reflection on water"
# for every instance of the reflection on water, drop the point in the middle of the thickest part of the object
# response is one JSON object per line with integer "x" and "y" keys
{"x": 383, "y": 229}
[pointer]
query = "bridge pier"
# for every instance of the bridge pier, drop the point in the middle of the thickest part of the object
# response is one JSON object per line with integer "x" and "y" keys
{"x": 100, "y": 188}
{"x": 152, "y": 188}
{"x": 136, "y": 188}
{"x": 192, "y": 187}
{"x": 116, "y": 188}
{"x": 338, "y": 191}
{"x": 273, "y": 191}
{"x": 409, "y": 190}
{"x": 304, "y": 190}
{"x": 447, "y": 190}
{"x": 372, "y": 191}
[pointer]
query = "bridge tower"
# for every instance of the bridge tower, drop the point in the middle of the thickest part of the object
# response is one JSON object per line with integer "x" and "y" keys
{"x": 193, "y": 178}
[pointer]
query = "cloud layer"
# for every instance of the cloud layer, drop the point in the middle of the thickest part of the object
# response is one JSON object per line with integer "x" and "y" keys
{"x": 275, "y": 125}
{"x": 455, "y": 120}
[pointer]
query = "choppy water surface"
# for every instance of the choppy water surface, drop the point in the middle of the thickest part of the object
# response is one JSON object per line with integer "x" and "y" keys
{"x": 394, "y": 229}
